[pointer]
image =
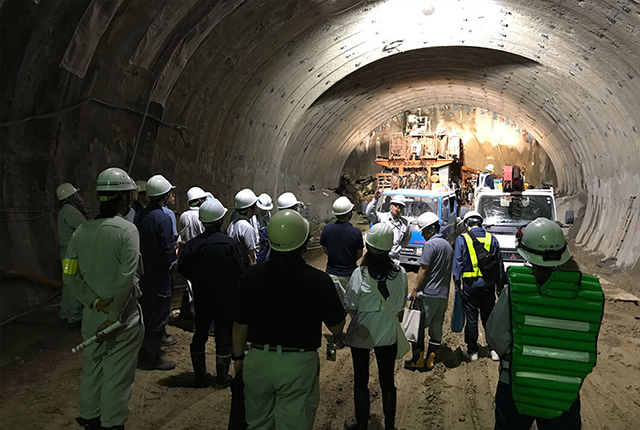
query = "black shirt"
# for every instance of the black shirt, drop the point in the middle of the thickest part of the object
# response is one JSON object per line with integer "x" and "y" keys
{"x": 342, "y": 241}
{"x": 285, "y": 301}
{"x": 212, "y": 262}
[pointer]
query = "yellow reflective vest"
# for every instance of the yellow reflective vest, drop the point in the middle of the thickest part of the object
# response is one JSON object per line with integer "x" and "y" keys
{"x": 486, "y": 242}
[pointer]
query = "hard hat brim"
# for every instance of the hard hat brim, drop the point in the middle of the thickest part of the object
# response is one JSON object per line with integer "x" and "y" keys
{"x": 343, "y": 212}
{"x": 264, "y": 207}
{"x": 539, "y": 261}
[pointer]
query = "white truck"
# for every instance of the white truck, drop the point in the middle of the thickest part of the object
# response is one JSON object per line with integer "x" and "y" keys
{"x": 504, "y": 212}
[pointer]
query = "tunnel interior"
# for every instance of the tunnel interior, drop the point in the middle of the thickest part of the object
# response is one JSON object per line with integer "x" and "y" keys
{"x": 276, "y": 96}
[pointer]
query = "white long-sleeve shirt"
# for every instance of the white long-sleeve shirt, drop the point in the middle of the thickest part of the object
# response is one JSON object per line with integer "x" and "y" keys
{"x": 371, "y": 324}
{"x": 190, "y": 225}
{"x": 400, "y": 226}
{"x": 69, "y": 219}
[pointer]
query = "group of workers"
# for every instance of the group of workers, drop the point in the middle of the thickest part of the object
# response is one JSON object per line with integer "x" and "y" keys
{"x": 269, "y": 305}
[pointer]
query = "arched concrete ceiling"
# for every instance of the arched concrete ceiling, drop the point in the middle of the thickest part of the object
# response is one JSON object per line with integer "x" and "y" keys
{"x": 271, "y": 94}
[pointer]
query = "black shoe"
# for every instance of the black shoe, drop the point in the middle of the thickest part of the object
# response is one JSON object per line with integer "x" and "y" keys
{"x": 158, "y": 365}
{"x": 168, "y": 340}
{"x": 89, "y": 424}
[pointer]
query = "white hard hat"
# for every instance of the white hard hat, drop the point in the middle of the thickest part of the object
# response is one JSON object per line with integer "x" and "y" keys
{"x": 141, "y": 185}
{"x": 472, "y": 214}
{"x": 542, "y": 243}
{"x": 287, "y": 201}
{"x": 380, "y": 237}
{"x": 342, "y": 206}
{"x": 211, "y": 211}
{"x": 114, "y": 179}
{"x": 489, "y": 167}
{"x": 427, "y": 219}
{"x": 288, "y": 230}
{"x": 66, "y": 190}
{"x": 399, "y": 200}
{"x": 265, "y": 202}
{"x": 196, "y": 193}
{"x": 245, "y": 198}
{"x": 158, "y": 185}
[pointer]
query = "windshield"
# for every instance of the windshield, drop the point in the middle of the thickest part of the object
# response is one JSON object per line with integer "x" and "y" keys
{"x": 514, "y": 210}
{"x": 415, "y": 207}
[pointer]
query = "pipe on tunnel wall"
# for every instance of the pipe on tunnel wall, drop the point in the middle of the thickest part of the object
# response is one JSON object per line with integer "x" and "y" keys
{"x": 260, "y": 104}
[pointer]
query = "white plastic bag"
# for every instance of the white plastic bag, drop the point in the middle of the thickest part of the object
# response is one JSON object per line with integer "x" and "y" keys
{"x": 411, "y": 324}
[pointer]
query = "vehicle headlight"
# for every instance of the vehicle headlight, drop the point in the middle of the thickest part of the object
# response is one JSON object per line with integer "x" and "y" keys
{"x": 419, "y": 252}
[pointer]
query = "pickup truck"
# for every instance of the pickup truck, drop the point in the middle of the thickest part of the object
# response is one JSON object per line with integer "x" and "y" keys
{"x": 442, "y": 203}
{"x": 504, "y": 212}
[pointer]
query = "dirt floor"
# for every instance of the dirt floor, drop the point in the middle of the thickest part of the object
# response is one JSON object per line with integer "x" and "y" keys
{"x": 40, "y": 378}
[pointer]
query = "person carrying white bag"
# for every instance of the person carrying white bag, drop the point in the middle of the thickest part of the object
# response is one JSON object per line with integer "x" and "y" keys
{"x": 375, "y": 296}
{"x": 431, "y": 292}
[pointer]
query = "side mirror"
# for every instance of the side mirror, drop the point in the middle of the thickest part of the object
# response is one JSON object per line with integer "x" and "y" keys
{"x": 463, "y": 212}
{"x": 569, "y": 217}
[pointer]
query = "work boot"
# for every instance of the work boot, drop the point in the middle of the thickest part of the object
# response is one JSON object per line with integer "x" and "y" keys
{"x": 223, "y": 380}
{"x": 361, "y": 403}
{"x": 168, "y": 340}
{"x": 149, "y": 357}
{"x": 199, "y": 361}
{"x": 389, "y": 409}
{"x": 89, "y": 424}
{"x": 416, "y": 363}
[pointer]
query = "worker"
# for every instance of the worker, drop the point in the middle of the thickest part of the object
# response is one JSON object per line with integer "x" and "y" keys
{"x": 431, "y": 291}
{"x": 260, "y": 221}
{"x": 280, "y": 307}
{"x": 212, "y": 263}
{"x": 100, "y": 268}
{"x": 143, "y": 200}
{"x": 478, "y": 290}
{"x": 394, "y": 218}
{"x": 130, "y": 216}
{"x": 240, "y": 227}
{"x": 372, "y": 325}
{"x": 289, "y": 201}
{"x": 158, "y": 247}
{"x": 545, "y": 329}
{"x": 71, "y": 216}
{"x": 190, "y": 227}
{"x": 485, "y": 179}
{"x": 342, "y": 243}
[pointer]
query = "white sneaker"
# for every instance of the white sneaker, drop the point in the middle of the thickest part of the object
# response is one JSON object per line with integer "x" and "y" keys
{"x": 470, "y": 357}
{"x": 494, "y": 356}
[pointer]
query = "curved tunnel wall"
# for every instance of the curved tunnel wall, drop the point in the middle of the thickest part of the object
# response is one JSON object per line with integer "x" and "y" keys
{"x": 270, "y": 95}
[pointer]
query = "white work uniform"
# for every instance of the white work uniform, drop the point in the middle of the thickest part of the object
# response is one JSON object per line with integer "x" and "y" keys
{"x": 102, "y": 262}
{"x": 400, "y": 226}
{"x": 69, "y": 219}
{"x": 190, "y": 224}
{"x": 242, "y": 231}
{"x": 371, "y": 325}
{"x": 130, "y": 216}
{"x": 190, "y": 227}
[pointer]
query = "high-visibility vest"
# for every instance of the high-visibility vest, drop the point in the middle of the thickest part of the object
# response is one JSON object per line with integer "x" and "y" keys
{"x": 486, "y": 242}
{"x": 555, "y": 332}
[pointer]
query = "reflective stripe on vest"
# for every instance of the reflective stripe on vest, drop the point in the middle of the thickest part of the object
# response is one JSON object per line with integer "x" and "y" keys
{"x": 555, "y": 331}
{"x": 486, "y": 242}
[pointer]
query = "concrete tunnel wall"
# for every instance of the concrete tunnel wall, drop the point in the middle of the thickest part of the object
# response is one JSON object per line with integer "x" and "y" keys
{"x": 274, "y": 95}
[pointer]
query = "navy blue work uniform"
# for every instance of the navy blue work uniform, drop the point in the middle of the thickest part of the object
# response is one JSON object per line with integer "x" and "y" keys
{"x": 213, "y": 264}
{"x": 157, "y": 246}
{"x": 478, "y": 297}
{"x": 343, "y": 241}
{"x": 485, "y": 179}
